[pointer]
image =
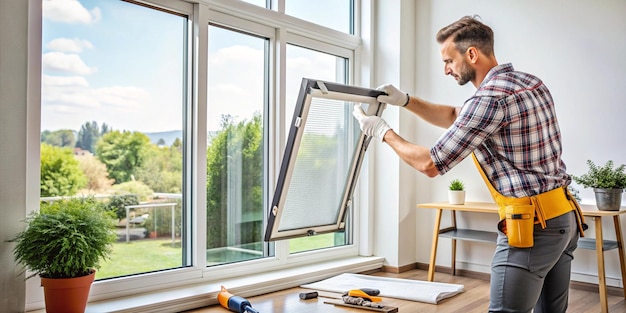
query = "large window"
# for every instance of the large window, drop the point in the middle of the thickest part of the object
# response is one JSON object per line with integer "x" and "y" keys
{"x": 308, "y": 63}
{"x": 335, "y": 14}
{"x": 175, "y": 115}
{"x": 237, "y": 97}
{"x": 113, "y": 97}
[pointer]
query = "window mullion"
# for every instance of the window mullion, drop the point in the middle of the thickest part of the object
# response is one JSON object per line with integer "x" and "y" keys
{"x": 200, "y": 47}
{"x": 281, "y": 247}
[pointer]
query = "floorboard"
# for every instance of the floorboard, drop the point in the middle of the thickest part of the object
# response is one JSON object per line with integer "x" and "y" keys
{"x": 475, "y": 299}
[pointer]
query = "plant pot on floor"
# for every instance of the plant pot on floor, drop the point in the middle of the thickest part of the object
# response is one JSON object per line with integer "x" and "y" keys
{"x": 608, "y": 199}
{"x": 67, "y": 295}
{"x": 456, "y": 196}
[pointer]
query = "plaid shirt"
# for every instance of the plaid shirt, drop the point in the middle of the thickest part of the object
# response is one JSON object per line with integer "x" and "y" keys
{"x": 511, "y": 125}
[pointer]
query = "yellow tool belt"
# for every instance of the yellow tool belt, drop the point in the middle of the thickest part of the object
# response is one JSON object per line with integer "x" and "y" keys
{"x": 518, "y": 215}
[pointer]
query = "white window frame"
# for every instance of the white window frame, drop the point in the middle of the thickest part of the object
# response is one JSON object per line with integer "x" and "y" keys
{"x": 281, "y": 30}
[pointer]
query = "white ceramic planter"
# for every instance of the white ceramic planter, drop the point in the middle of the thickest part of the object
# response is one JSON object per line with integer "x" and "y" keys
{"x": 456, "y": 196}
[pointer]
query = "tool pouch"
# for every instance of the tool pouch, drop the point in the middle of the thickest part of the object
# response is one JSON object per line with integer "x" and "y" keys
{"x": 520, "y": 223}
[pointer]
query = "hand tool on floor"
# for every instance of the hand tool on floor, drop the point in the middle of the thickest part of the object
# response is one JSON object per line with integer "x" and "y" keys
{"x": 363, "y": 298}
{"x": 234, "y": 303}
{"x": 368, "y": 294}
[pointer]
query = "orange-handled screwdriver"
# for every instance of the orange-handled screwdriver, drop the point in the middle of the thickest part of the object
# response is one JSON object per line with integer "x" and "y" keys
{"x": 362, "y": 294}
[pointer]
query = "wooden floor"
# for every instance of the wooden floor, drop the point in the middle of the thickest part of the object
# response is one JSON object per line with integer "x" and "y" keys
{"x": 475, "y": 299}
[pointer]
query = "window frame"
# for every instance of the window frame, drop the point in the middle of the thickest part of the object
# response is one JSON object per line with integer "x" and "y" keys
{"x": 310, "y": 89}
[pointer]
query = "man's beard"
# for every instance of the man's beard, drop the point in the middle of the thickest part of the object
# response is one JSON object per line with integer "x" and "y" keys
{"x": 466, "y": 75}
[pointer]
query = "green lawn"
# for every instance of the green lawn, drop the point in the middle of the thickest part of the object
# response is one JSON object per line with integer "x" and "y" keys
{"x": 147, "y": 255}
{"x": 140, "y": 256}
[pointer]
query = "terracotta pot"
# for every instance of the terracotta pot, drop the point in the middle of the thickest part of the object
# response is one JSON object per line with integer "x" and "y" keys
{"x": 67, "y": 295}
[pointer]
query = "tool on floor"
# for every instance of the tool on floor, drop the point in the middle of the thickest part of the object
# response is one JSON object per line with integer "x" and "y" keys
{"x": 363, "y": 298}
{"x": 234, "y": 303}
{"x": 308, "y": 295}
{"x": 364, "y": 293}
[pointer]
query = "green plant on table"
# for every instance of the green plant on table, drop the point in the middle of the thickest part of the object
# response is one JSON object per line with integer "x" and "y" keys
{"x": 456, "y": 184}
{"x": 66, "y": 238}
{"x": 603, "y": 177}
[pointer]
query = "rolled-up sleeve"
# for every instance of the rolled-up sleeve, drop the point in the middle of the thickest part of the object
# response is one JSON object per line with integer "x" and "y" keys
{"x": 479, "y": 118}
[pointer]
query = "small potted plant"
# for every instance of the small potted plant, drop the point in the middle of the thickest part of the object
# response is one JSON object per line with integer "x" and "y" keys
{"x": 608, "y": 183}
{"x": 456, "y": 192}
{"x": 63, "y": 243}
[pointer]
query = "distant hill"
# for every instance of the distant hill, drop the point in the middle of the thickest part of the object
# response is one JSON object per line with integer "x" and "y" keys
{"x": 168, "y": 136}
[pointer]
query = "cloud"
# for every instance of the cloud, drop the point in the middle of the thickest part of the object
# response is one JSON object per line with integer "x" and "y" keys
{"x": 69, "y": 45}
{"x": 70, "y": 11}
{"x": 122, "y": 97}
{"x": 235, "y": 54}
{"x": 64, "y": 81}
{"x": 71, "y": 93}
{"x": 66, "y": 63}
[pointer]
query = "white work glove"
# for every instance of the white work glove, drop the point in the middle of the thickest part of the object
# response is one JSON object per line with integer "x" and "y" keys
{"x": 373, "y": 126}
{"x": 394, "y": 95}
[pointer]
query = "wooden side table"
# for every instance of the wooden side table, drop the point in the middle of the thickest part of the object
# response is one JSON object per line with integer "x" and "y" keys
{"x": 597, "y": 243}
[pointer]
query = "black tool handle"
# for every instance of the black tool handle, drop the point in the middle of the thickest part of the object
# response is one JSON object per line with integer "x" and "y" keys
{"x": 308, "y": 295}
{"x": 371, "y": 291}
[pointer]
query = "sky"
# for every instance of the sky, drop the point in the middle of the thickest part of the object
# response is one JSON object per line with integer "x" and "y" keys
{"x": 121, "y": 64}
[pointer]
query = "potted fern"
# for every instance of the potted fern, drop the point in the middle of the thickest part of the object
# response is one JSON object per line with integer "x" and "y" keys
{"x": 63, "y": 243}
{"x": 456, "y": 192}
{"x": 608, "y": 183}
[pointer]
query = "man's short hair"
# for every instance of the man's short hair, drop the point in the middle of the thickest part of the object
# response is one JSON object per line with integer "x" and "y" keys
{"x": 468, "y": 32}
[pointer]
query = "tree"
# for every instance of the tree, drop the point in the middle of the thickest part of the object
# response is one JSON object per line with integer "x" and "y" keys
{"x": 61, "y": 174}
{"x": 96, "y": 172}
{"x": 122, "y": 153}
{"x": 88, "y": 135}
{"x": 236, "y": 148}
{"x": 104, "y": 129}
{"x": 162, "y": 169}
{"x": 59, "y": 138}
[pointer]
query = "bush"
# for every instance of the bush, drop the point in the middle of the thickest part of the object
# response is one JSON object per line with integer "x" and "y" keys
{"x": 604, "y": 177}
{"x": 117, "y": 204}
{"x": 66, "y": 238}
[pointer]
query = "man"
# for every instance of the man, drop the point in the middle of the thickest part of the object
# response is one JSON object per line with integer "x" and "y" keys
{"x": 511, "y": 127}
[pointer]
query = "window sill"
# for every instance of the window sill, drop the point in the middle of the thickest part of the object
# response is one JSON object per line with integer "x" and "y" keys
{"x": 200, "y": 295}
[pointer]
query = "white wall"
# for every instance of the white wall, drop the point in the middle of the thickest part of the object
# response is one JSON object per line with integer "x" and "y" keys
{"x": 578, "y": 49}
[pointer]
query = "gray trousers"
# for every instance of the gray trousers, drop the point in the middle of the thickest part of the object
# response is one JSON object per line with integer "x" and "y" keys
{"x": 537, "y": 277}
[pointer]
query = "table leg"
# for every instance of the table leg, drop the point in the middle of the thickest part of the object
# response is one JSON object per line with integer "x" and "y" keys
{"x": 620, "y": 249}
{"x": 604, "y": 306}
{"x": 453, "y": 213}
{"x": 433, "y": 249}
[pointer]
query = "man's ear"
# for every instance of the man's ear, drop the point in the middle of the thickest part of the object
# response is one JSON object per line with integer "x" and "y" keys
{"x": 472, "y": 54}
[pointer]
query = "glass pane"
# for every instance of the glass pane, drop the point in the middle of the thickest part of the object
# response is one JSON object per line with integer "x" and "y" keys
{"x": 306, "y": 63}
{"x": 261, "y": 3}
{"x": 236, "y": 101}
{"x": 322, "y": 165}
{"x": 113, "y": 97}
{"x": 335, "y": 14}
